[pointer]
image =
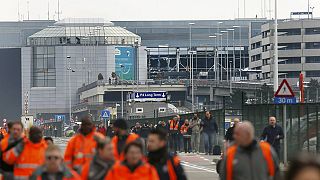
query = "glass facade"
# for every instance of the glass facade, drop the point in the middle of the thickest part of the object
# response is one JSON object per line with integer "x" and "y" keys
{"x": 313, "y": 59}
{"x": 313, "y": 45}
{"x": 83, "y": 36}
{"x": 44, "y": 70}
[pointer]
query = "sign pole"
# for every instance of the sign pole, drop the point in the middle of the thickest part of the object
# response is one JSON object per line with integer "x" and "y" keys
{"x": 285, "y": 149}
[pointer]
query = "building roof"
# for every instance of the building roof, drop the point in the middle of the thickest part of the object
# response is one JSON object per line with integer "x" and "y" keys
{"x": 106, "y": 31}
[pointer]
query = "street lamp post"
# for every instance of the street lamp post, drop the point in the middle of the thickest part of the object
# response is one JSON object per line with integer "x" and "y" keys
{"x": 220, "y": 57}
{"x": 275, "y": 63}
{"x": 233, "y": 56}
{"x": 240, "y": 51}
{"x": 215, "y": 57}
{"x": 227, "y": 51}
{"x": 69, "y": 85}
{"x": 221, "y": 60}
{"x": 191, "y": 65}
{"x": 122, "y": 108}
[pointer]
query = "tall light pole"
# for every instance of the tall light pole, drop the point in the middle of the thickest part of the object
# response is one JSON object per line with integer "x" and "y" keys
{"x": 221, "y": 60}
{"x": 240, "y": 46}
{"x": 275, "y": 63}
{"x": 233, "y": 56}
{"x": 122, "y": 108}
{"x": 69, "y": 85}
{"x": 215, "y": 56}
{"x": 233, "y": 59}
{"x": 191, "y": 65}
{"x": 227, "y": 51}
{"x": 220, "y": 57}
{"x": 308, "y": 9}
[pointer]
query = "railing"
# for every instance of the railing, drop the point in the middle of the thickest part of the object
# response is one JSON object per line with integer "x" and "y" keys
{"x": 185, "y": 82}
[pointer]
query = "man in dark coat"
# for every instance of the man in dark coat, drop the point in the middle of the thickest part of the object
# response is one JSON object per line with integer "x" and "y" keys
{"x": 273, "y": 133}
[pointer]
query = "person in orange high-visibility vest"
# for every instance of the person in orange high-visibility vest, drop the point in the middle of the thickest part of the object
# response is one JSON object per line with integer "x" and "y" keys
{"x": 54, "y": 167}
{"x": 27, "y": 155}
{"x": 82, "y": 146}
{"x": 174, "y": 134}
{"x": 121, "y": 138}
{"x": 249, "y": 159}
{"x": 3, "y": 133}
{"x": 14, "y": 137}
{"x": 168, "y": 166}
{"x": 133, "y": 166}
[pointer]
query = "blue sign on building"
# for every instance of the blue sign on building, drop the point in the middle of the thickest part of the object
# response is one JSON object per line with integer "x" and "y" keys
{"x": 105, "y": 113}
{"x": 59, "y": 118}
{"x": 125, "y": 62}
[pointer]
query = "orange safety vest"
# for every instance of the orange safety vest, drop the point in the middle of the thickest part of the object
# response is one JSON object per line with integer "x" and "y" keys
{"x": 117, "y": 155}
{"x": 121, "y": 172}
{"x": 174, "y": 125}
{"x": 80, "y": 150}
{"x": 4, "y": 142}
{"x": 171, "y": 169}
{"x": 31, "y": 157}
{"x": 266, "y": 151}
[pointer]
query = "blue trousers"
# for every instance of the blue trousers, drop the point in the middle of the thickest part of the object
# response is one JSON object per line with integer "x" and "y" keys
{"x": 209, "y": 141}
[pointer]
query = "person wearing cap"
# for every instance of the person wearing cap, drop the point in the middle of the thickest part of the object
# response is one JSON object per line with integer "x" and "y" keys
{"x": 121, "y": 138}
{"x": 81, "y": 147}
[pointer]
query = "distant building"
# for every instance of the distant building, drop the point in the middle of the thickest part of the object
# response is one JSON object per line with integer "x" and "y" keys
{"x": 72, "y": 53}
{"x": 162, "y": 45}
{"x": 299, "y": 50}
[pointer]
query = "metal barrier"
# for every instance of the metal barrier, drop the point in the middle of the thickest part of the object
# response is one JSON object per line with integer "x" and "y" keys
{"x": 303, "y": 124}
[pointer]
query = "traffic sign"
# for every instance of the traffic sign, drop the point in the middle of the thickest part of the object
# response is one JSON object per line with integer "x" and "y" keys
{"x": 285, "y": 100}
{"x": 284, "y": 90}
{"x": 105, "y": 113}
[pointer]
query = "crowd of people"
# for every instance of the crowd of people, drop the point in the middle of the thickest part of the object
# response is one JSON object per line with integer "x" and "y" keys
{"x": 89, "y": 154}
{"x": 184, "y": 134}
{"x": 147, "y": 152}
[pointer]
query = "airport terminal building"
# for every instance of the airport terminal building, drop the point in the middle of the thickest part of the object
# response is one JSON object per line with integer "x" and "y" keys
{"x": 80, "y": 49}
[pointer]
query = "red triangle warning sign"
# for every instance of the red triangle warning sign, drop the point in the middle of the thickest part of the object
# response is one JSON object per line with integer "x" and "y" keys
{"x": 284, "y": 90}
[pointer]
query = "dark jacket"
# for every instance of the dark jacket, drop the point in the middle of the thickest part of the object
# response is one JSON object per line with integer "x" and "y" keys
{"x": 109, "y": 132}
{"x": 270, "y": 134}
{"x": 64, "y": 173}
{"x": 137, "y": 131}
{"x": 229, "y": 134}
{"x": 97, "y": 169}
{"x": 209, "y": 125}
{"x": 160, "y": 158}
{"x": 144, "y": 131}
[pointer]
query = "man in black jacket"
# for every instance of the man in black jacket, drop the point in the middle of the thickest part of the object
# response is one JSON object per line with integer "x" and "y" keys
{"x": 229, "y": 134}
{"x": 210, "y": 130}
{"x": 273, "y": 133}
{"x": 168, "y": 166}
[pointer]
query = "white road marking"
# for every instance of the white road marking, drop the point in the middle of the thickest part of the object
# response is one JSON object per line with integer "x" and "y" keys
{"x": 198, "y": 167}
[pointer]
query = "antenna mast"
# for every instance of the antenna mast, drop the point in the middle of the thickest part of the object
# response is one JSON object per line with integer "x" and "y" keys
{"x": 28, "y": 10}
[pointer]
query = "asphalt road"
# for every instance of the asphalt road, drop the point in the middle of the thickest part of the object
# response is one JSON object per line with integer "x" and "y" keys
{"x": 197, "y": 166}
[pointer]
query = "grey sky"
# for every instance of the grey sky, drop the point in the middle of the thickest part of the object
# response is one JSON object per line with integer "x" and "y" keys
{"x": 149, "y": 9}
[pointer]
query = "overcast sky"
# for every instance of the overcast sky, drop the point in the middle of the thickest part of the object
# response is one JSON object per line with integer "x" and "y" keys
{"x": 150, "y": 9}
